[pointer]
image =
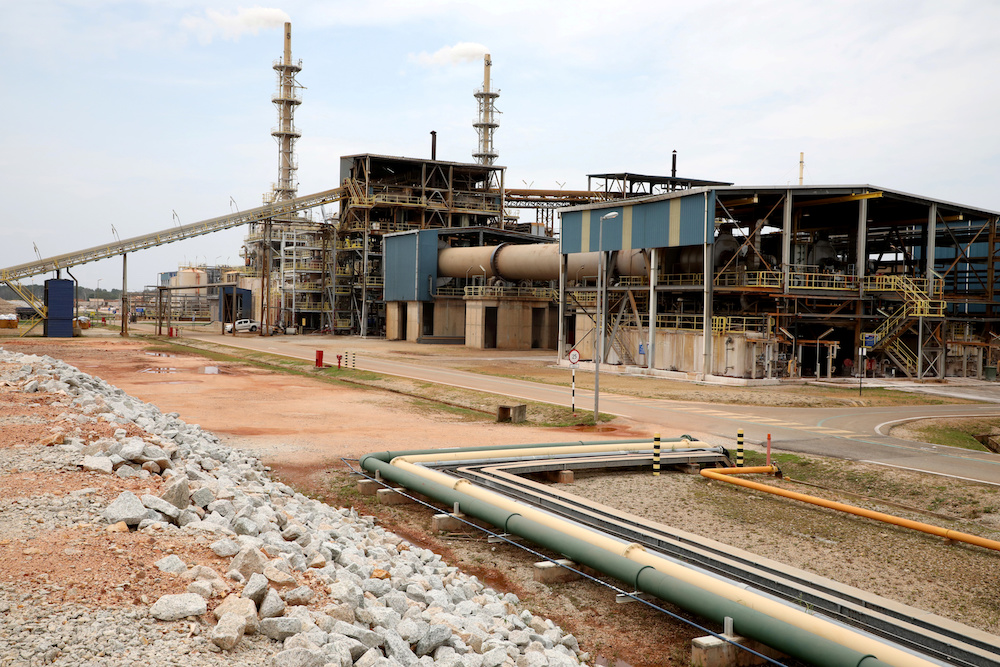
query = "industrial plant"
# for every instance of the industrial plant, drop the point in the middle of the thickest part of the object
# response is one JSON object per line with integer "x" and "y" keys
{"x": 652, "y": 274}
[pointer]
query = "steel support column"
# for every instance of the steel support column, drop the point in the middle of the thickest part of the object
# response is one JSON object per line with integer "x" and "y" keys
{"x": 654, "y": 273}
{"x": 561, "y": 342}
{"x": 709, "y": 266}
{"x": 931, "y": 248}
{"x": 786, "y": 241}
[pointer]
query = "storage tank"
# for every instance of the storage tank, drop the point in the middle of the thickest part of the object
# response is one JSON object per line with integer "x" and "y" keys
{"x": 691, "y": 259}
{"x": 191, "y": 277}
{"x": 823, "y": 255}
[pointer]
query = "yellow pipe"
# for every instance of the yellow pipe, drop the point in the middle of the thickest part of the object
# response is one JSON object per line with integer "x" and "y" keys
{"x": 725, "y": 475}
{"x": 800, "y": 618}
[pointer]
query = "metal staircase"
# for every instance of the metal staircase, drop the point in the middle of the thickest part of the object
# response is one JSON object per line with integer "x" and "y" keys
{"x": 916, "y": 304}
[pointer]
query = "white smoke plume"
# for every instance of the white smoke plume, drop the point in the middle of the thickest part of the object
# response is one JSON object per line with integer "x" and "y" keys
{"x": 232, "y": 26}
{"x": 462, "y": 52}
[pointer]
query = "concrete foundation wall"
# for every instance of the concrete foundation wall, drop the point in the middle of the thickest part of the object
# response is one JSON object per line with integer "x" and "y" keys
{"x": 732, "y": 353}
{"x": 449, "y": 317}
{"x": 514, "y": 324}
{"x": 393, "y": 320}
{"x": 414, "y": 324}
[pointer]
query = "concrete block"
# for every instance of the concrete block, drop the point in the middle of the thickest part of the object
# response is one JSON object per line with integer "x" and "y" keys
{"x": 714, "y": 652}
{"x": 512, "y": 413}
{"x": 560, "y": 476}
{"x": 689, "y": 468}
{"x": 368, "y": 487}
{"x": 391, "y": 497}
{"x": 448, "y": 523}
{"x": 547, "y": 572}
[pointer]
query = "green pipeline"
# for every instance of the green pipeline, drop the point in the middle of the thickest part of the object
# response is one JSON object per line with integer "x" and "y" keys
{"x": 782, "y": 636}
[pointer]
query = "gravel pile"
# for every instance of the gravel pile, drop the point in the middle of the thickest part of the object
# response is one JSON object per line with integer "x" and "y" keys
{"x": 306, "y": 584}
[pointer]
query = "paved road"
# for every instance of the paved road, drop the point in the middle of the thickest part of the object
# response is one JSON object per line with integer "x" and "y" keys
{"x": 845, "y": 432}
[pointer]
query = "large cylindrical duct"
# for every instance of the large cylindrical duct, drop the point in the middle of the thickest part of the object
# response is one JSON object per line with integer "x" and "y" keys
{"x": 533, "y": 261}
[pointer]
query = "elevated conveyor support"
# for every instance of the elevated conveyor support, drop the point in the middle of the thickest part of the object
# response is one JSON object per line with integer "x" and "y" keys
{"x": 13, "y": 274}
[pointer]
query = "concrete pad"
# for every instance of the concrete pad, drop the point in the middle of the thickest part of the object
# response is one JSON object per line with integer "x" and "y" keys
{"x": 391, "y": 497}
{"x": 448, "y": 523}
{"x": 547, "y": 572}
{"x": 714, "y": 652}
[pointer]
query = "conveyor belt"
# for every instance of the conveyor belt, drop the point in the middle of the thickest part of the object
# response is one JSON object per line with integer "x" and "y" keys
{"x": 929, "y": 635}
{"x": 169, "y": 235}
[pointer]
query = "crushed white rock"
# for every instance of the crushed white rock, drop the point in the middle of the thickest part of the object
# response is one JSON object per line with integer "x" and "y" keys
{"x": 394, "y": 604}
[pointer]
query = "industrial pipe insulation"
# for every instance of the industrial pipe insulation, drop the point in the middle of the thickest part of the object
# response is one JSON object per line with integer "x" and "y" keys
{"x": 533, "y": 261}
{"x": 788, "y": 628}
{"x": 726, "y": 475}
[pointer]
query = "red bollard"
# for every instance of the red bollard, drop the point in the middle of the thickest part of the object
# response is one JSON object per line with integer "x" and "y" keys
{"x": 319, "y": 358}
{"x": 339, "y": 357}
{"x": 768, "y": 449}
{"x": 170, "y": 332}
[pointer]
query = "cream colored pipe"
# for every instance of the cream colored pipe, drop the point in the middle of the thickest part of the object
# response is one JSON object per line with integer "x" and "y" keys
{"x": 521, "y": 452}
{"x": 532, "y": 261}
{"x": 636, "y": 552}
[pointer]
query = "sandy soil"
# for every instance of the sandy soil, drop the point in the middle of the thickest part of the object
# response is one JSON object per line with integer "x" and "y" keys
{"x": 284, "y": 418}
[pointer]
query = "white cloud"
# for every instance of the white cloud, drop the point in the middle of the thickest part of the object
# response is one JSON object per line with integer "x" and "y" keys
{"x": 232, "y": 25}
{"x": 462, "y": 52}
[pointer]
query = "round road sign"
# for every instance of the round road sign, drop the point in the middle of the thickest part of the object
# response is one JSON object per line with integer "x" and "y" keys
{"x": 574, "y": 356}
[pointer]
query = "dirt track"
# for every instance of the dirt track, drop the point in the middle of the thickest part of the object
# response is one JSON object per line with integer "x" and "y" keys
{"x": 285, "y": 418}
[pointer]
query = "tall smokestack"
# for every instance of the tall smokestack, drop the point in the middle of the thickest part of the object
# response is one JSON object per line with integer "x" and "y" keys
{"x": 673, "y": 165}
{"x": 486, "y": 152}
{"x": 434, "y": 145}
{"x": 285, "y": 99}
{"x": 288, "y": 43}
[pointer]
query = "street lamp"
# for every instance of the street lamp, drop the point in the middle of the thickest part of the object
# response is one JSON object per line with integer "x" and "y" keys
{"x": 601, "y": 289}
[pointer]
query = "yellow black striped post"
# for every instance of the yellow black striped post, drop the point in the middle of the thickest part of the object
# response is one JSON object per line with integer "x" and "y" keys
{"x": 656, "y": 454}
{"x": 739, "y": 448}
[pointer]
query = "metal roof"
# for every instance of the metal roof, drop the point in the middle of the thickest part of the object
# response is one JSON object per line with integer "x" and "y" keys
{"x": 725, "y": 191}
{"x": 656, "y": 180}
{"x": 398, "y": 158}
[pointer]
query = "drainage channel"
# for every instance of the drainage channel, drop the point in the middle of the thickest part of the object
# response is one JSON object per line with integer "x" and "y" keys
{"x": 929, "y": 635}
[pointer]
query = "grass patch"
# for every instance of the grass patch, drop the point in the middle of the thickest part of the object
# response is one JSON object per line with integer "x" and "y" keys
{"x": 466, "y": 414}
{"x": 958, "y": 434}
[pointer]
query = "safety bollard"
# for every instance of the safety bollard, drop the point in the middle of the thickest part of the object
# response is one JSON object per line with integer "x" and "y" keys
{"x": 339, "y": 357}
{"x": 319, "y": 358}
{"x": 768, "y": 449}
{"x": 656, "y": 455}
{"x": 739, "y": 448}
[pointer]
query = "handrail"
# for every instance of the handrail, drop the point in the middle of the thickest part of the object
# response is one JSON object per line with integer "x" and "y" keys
{"x": 480, "y": 291}
{"x": 903, "y": 351}
{"x": 824, "y": 281}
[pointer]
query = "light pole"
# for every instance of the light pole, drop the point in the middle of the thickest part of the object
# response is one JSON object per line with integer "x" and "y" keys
{"x": 601, "y": 288}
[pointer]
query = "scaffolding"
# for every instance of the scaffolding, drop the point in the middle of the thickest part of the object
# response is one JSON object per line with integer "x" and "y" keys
{"x": 394, "y": 194}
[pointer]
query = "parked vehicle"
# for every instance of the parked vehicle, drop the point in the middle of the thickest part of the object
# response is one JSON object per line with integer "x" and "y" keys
{"x": 243, "y": 325}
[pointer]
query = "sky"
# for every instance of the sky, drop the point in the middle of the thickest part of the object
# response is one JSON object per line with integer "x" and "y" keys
{"x": 124, "y": 117}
